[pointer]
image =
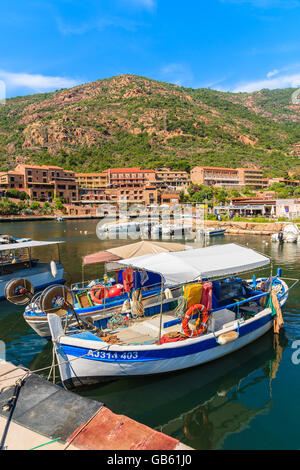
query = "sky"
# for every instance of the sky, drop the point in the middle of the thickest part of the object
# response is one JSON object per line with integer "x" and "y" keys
{"x": 228, "y": 45}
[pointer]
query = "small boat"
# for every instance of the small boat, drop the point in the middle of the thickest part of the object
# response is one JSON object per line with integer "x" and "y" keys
{"x": 218, "y": 314}
{"x": 16, "y": 261}
{"x": 59, "y": 219}
{"x": 209, "y": 232}
{"x": 290, "y": 234}
{"x": 99, "y": 299}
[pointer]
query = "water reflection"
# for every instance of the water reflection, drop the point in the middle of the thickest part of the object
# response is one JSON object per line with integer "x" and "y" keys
{"x": 201, "y": 406}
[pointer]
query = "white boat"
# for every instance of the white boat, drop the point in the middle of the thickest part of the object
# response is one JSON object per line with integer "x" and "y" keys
{"x": 16, "y": 261}
{"x": 209, "y": 232}
{"x": 166, "y": 343}
{"x": 289, "y": 234}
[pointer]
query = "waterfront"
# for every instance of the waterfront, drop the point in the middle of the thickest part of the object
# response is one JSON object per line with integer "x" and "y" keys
{"x": 232, "y": 404}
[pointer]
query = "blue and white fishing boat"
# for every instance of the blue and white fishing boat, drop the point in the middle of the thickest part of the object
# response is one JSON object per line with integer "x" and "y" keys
{"x": 221, "y": 313}
{"x": 99, "y": 299}
{"x": 17, "y": 261}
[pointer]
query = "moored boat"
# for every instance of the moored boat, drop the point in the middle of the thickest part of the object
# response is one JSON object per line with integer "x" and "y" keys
{"x": 99, "y": 299}
{"x": 221, "y": 314}
{"x": 17, "y": 261}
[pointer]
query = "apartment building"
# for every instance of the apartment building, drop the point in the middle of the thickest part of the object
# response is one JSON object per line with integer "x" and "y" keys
{"x": 294, "y": 183}
{"x": 216, "y": 176}
{"x": 12, "y": 180}
{"x": 92, "y": 180}
{"x": 230, "y": 178}
{"x": 252, "y": 177}
{"x": 129, "y": 177}
{"x": 42, "y": 182}
{"x": 177, "y": 180}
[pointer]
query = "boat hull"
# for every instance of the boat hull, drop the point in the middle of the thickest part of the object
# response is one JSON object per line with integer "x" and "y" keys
{"x": 86, "y": 366}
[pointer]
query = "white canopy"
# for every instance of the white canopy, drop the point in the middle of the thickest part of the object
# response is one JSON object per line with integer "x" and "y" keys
{"x": 202, "y": 263}
{"x": 29, "y": 244}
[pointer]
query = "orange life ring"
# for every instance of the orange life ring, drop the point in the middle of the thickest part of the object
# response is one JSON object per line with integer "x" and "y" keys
{"x": 98, "y": 293}
{"x": 189, "y": 315}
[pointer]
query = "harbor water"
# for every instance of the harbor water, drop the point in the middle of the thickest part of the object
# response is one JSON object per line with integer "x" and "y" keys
{"x": 247, "y": 400}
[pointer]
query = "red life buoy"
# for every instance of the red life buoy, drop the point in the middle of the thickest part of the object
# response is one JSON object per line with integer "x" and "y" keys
{"x": 98, "y": 293}
{"x": 189, "y": 314}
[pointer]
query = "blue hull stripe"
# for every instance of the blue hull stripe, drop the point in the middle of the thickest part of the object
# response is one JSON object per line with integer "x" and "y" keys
{"x": 157, "y": 354}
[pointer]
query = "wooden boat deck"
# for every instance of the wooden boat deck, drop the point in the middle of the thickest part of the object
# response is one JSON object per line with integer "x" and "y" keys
{"x": 146, "y": 331}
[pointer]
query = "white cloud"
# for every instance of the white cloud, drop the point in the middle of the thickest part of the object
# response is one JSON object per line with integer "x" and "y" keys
{"x": 144, "y": 4}
{"x": 283, "y": 81}
{"x": 178, "y": 74}
{"x": 273, "y": 73}
{"x": 267, "y": 3}
{"x": 35, "y": 82}
{"x": 97, "y": 24}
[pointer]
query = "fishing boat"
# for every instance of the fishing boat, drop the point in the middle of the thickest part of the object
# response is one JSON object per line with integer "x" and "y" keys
{"x": 99, "y": 299}
{"x": 17, "y": 261}
{"x": 217, "y": 314}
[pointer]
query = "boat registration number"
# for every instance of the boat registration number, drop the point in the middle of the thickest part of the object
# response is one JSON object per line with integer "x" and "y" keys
{"x": 107, "y": 355}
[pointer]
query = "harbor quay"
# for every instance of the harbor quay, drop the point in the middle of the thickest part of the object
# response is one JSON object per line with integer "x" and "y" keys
{"x": 47, "y": 417}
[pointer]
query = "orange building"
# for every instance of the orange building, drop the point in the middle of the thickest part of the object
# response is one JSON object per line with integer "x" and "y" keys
{"x": 230, "y": 178}
{"x": 91, "y": 180}
{"x": 12, "y": 180}
{"x": 42, "y": 182}
{"x": 177, "y": 180}
{"x": 129, "y": 177}
{"x": 215, "y": 176}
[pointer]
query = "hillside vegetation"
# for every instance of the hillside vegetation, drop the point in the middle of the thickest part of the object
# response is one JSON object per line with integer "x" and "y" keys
{"x": 134, "y": 121}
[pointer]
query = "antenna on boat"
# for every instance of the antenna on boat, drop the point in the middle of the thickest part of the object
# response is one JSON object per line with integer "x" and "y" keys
{"x": 19, "y": 291}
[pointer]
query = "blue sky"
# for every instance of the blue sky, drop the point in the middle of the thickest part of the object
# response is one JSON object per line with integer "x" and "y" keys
{"x": 230, "y": 45}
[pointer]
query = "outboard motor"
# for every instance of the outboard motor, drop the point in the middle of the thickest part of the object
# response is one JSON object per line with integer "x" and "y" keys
{"x": 280, "y": 236}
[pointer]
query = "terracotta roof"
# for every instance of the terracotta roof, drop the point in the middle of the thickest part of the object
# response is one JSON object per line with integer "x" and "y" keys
{"x": 89, "y": 174}
{"x": 214, "y": 168}
{"x": 128, "y": 170}
{"x": 40, "y": 167}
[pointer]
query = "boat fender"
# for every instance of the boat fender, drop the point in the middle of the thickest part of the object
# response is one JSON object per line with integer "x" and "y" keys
{"x": 115, "y": 291}
{"x": 168, "y": 294}
{"x": 189, "y": 314}
{"x": 226, "y": 338}
{"x": 53, "y": 268}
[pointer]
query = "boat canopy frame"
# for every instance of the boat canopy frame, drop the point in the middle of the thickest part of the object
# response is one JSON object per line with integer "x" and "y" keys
{"x": 187, "y": 266}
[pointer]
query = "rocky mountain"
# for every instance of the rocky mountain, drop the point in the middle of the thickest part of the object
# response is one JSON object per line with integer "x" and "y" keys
{"x": 135, "y": 121}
